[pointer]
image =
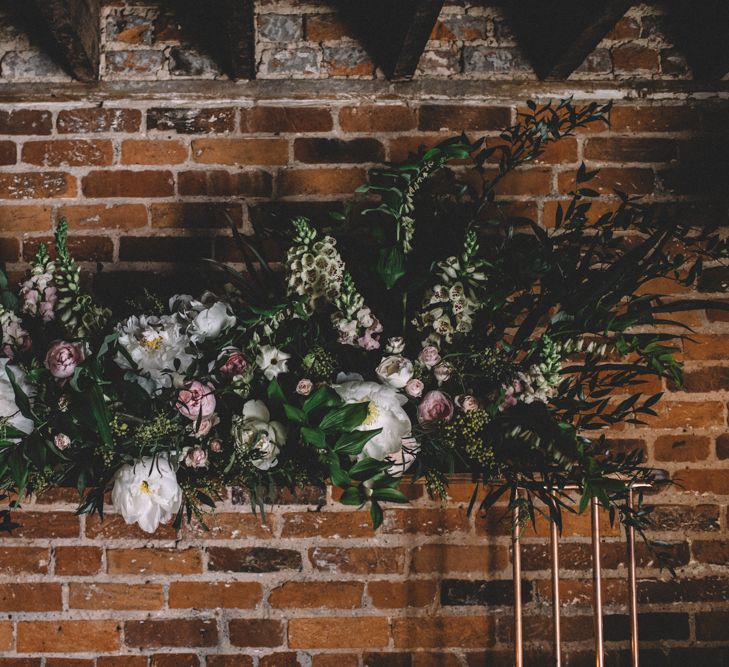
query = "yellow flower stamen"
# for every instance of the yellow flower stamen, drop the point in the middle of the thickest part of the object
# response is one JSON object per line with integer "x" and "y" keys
{"x": 372, "y": 413}
{"x": 144, "y": 487}
{"x": 152, "y": 343}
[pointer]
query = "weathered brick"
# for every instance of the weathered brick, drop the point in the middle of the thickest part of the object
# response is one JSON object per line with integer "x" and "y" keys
{"x": 255, "y": 632}
{"x": 25, "y": 217}
{"x": 611, "y": 179}
{"x": 632, "y": 58}
{"x": 459, "y": 558}
{"x": 34, "y": 185}
{"x": 443, "y": 632}
{"x": 68, "y": 153}
{"x": 44, "y": 525}
{"x": 681, "y": 448}
{"x": 426, "y": 521}
{"x": 284, "y": 119}
{"x": 125, "y": 183}
{"x": 104, "y": 216}
{"x": 84, "y": 248}
{"x": 77, "y": 560}
{"x": 157, "y": 633}
{"x": 25, "y": 121}
{"x": 153, "y": 151}
{"x": 24, "y": 560}
{"x": 115, "y": 596}
{"x": 195, "y": 215}
{"x": 629, "y": 149}
{"x": 326, "y": 524}
{"x": 687, "y": 414}
{"x": 240, "y": 151}
{"x": 463, "y": 117}
{"x": 212, "y": 595}
{"x": 358, "y": 560}
{"x": 67, "y": 636}
{"x": 308, "y": 594}
{"x": 711, "y": 625}
{"x": 98, "y": 119}
{"x": 252, "y": 559}
{"x": 191, "y": 120}
{"x": 651, "y": 627}
{"x": 702, "y": 517}
{"x": 319, "y": 181}
{"x": 323, "y": 151}
{"x": 722, "y": 446}
{"x": 326, "y": 27}
{"x": 455, "y": 592}
{"x": 153, "y": 561}
{"x": 30, "y": 597}
{"x": 339, "y": 632}
{"x": 402, "y": 594}
{"x": 234, "y": 660}
{"x": 8, "y": 153}
{"x": 224, "y": 183}
{"x": 654, "y": 118}
{"x": 174, "y": 660}
{"x": 377, "y": 118}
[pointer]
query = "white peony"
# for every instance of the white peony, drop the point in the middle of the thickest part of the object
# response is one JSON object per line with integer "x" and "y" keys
{"x": 8, "y": 407}
{"x": 384, "y": 411}
{"x": 255, "y": 432}
{"x": 210, "y": 322}
{"x": 403, "y": 459}
{"x": 147, "y": 493}
{"x": 395, "y": 371}
{"x": 272, "y": 361}
{"x": 157, "y": 345}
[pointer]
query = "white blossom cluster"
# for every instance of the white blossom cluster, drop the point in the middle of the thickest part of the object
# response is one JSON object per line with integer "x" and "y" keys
{"x": 12, "y": 335}
{"x": 316, "y": 272}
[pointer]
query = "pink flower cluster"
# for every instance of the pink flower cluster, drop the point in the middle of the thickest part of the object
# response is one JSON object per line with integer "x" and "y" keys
{"x": 197, "y": 402}
{"x": 39, "y": 296}
{"x": 364, "y": 331}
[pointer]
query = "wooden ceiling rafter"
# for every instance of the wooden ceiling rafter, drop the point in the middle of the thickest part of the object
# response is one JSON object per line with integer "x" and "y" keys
{"x": 394, "y": 33}
{"x": 226, "y": 29}
{"x": 74, "y": 28}
{"x": 556, "y": 43}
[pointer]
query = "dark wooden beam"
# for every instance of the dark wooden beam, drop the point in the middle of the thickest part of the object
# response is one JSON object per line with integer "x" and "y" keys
{"x": 74, "y": 28}
{"x": 700, "y": 31}
{"x": 556, "y": 37}
{"x": 224, "y": 28}
{"x": 394, "y": 32}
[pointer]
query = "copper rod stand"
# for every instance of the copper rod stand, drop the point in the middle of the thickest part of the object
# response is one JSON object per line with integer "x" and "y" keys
{"x": 597, "y": 584}
{"x": 554, "y": 548}
{"x": 516, "y": 556}
{"x": 632, "y": 590}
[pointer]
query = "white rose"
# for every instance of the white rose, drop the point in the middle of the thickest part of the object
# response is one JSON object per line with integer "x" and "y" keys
{"x": 211, "y": 322}
{"x": 385, "y": 412}
{"x": 395, "y": 371}
{"x": 442, "y": 372}
{"x": 147, "y": 492}
{"x": 255, "y": 432}
{"x": 8, "y": 406}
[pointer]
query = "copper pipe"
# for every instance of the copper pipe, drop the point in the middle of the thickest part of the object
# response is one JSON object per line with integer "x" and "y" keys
{"x": 632, "y": 590}
{"x": 597, "y": 584}
{"x": 554, "y": 547}
{"x": 516, "y": 556}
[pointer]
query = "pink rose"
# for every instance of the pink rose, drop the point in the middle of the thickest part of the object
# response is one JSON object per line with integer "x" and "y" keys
{"x": 62, "y": 359}
{"x": 235, "y": 364}
{"x": 467, "y": 403}
{"x": 196, "y": 457}
{"x": 216, "y": 446}
{"x": 414, "y": 388}
{"x": 196, "y": 401}
{"x": 430, "y": 356}
{"x": 304, "y": 387}
{"x": 435, "y": 406}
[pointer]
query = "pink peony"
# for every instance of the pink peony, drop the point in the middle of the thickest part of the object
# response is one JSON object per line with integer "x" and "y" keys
{"x": 430, "y": 356}
{"x": 304, "y": 387}
{"x": 62, "y": 358}
{"x": 196, "y": 401}
{"x": 235, "y": 364}
{"x": 435, "y": 406}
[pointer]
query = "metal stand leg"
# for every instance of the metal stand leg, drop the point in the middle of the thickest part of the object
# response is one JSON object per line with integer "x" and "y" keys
{"x": 597, "y": 585}
{"x": 516, "y": 549}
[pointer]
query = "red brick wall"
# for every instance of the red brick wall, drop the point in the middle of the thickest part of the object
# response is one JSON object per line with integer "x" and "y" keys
{"x": 143, "y": 173}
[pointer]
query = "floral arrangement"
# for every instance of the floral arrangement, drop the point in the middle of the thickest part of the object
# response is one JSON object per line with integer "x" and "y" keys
{"x": 427, "y": 334}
